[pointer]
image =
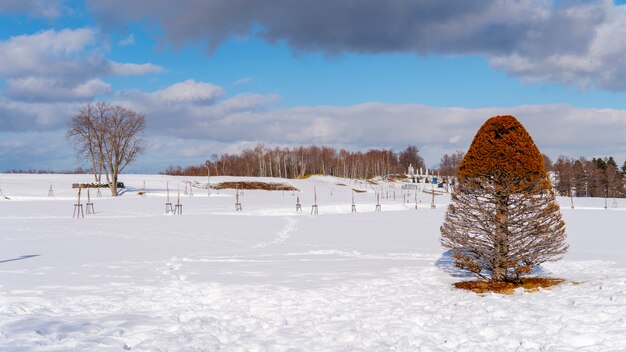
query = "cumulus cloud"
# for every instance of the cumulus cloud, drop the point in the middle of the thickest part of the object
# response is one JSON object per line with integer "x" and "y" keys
{"x": 189, "y": 91}
{"x": 575, "y": 43}
{"x": 557, "y": 129}
{"x": 190, "y": 120}
{"x": 246, "y": 119}
{"x": 187, "y": 133}
{"x": 51, "y": 52}
{"x": 60, "y": 65}
{"x": 18, "y": 116}
{"x": 129, "y": 69}
{"x": 49, "y": 89}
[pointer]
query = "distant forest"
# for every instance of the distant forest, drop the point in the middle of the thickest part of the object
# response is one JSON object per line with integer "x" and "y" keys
{"x": 313, "y": 160}
{"x": 78, "y": 170}
{"x": 598, "y": 177}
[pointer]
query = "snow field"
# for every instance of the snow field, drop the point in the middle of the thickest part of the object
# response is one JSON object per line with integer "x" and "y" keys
{"x": 270, "y": 279}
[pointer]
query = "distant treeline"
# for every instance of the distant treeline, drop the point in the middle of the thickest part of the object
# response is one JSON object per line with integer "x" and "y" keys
{"x": 302, "y": 161}
{"x": 598, "y": 177}
{"x": 78, "y": 170}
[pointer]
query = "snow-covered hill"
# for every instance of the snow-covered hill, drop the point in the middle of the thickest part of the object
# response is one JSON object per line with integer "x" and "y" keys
{"x": 269, "y": 278}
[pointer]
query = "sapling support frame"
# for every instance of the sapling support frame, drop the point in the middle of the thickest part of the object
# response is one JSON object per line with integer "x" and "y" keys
{"x": 298, "y": 205}
{"x": 78, "y": 208}
{"x": 353, "y": 205}
{"x": 89, "y": 204}
{"x": 178, "y": 208}
{"x": 50, "y": 191}
{"x": 314, "y": 209}
{"x": 378, "y": 207}
{"x": 168, "y": 203}
{"x": 238, "y": 206}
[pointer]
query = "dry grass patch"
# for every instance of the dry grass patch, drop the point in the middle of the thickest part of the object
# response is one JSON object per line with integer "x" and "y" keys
{"x": 359, "y": 190}
{"x": 266, "y": 186}
{"x": 396, "y": 177}
{"x": 530, "y": 284}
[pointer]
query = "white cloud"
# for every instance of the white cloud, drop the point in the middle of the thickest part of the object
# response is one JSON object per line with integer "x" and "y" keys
{"x": 249, "y": 119}
{"x": 51, "y": 89}
{"x": 49, "y": 53}
{"x": 198, "y": 120}
{"x": 129, "y": 69}
{"x": 189, "y": 91}
{"x": 60, "y": 65}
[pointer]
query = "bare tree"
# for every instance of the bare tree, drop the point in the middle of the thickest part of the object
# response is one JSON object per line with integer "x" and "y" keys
{"x": 450, "y": 164}
{"x": 84, "y": 135}
{"x": 411, "y": 156}
{"x": 503, "y": 219}
{"x": 109, "y": 137}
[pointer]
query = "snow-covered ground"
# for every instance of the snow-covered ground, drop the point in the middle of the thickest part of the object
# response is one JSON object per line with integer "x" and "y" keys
{"x": 268, "y": 278}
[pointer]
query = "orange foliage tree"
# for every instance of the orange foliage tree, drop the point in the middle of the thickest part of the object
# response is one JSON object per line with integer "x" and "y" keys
{"x": 503, "y": 219}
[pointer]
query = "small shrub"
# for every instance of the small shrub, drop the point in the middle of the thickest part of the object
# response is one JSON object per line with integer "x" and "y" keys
{"x": 252, "y": 185}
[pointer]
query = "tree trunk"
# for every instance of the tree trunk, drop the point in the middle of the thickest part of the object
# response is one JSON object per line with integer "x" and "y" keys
{"x": 113, "y": 185}
{"x": 501, "y": 243}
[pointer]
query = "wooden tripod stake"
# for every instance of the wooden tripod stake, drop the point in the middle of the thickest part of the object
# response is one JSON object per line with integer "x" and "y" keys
{"x": 378, "y": 208}
{"x": 314, "y": 210}
{"x": 298, "y": 205}
{"x": 78, "y": 208}
{"x": 238, "y": 206}
{"x": 432, "y": 202}
{"x": 178, "y": 208}
{"x": 353, "y": 205}
{"x": 50, "y": 191}
{"x": 168, "y": 203}
{"x": 89, "y": 205}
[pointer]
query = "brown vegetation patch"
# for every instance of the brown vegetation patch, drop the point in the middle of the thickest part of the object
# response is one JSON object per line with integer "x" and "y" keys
{"x": 359, "y": 190}
{"x": 340, "y": 184}
{"x": 396, "y": 177}
{"x": 530, "y": 284}
{"x": 266, "y": 186}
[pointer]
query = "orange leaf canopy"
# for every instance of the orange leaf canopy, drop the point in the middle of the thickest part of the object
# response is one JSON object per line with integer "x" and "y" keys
{"x": 502, "y": 149}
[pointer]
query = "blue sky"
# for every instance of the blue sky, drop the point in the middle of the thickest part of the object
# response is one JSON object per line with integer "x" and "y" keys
{"x": 212, "y": 77}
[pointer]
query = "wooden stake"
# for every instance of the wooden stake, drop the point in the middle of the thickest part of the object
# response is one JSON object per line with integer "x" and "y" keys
{"x": 78, "y": 208}
{"x": 89, "y": 205}
{"x": 314, "y": 210}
